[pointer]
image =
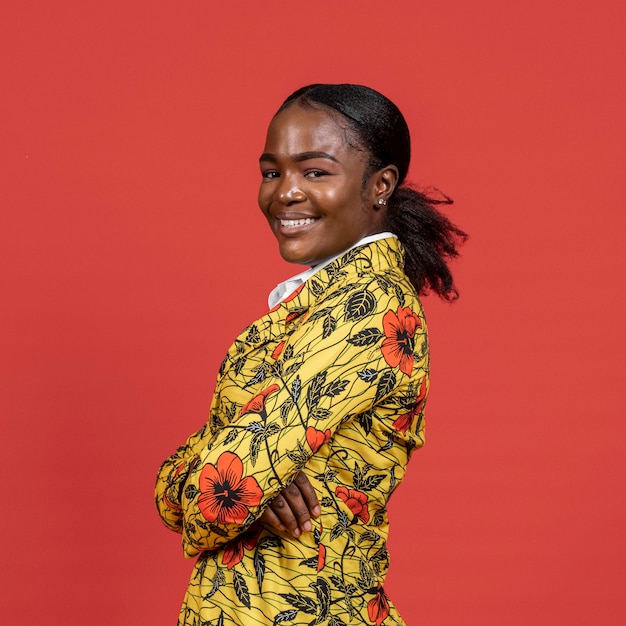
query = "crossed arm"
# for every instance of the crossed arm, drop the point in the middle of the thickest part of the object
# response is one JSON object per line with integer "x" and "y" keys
{"x": 293, "y": 507}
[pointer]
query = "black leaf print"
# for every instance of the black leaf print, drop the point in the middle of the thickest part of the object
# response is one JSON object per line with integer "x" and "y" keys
{"x": 366, "y": 576}
{"x": 328, "y": 326}
{"x": 294, "y": 367}
{"x": 296, "y": 387}
{"x": 381, "y": 554}
{"x": 336, "y": 531}
{"x": 319, "y": 414}
{"x": 340, "y": 292}
{"x": 270, "y": 541}
{"x": 335, "y": 388}
{"x": 317, "y": 535}
{"x": 371, "y": 482}
{"x": 378, "y": 518}
{"x": 259, "y": 569}
{"x": 338, "y": 582}
{"x": 314, "y": 392}
{"x": 366, "y": 337}
{"x": 285, "y": 616}
{"x": 285, "y": 407}
{"x": 241, "y": 589}
{"x": 322, "y": 591}
{"x": 239, "y": 363}
{"x": 288, "y": 353}
{"x": 365, "y": 421}
{"x": 306, "y": 605}
{"x": 299, "y": 456}
{"x": 399, "y": 294}
{"x": 316, "y": 287}
{"x": 368, "y": 375}
{"x": 255, "y": 447}
{"x": 368, "y": 535}
{"x": 255, "y": 427}
{"x": 220, "y": 619}
{"x": 386, "y": 384}
{"x": 253, "y": 334}
{"x": 359, "y": 305}
{"x": 272, "y": 429}
{"x": 258, "y": 377}
{"x": 310, "y": 562}
{"x": 232, "y": 435}
{"x": 214, "y": 588}
{"x": 191, "y": 491}
{"x": 342, "y": 518}
{"x": 383, "y": 283}
{"x": 325, "y": 312}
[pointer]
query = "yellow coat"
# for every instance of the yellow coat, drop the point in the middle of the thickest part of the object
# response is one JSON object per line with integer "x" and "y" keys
{"x": 333, "y": 382}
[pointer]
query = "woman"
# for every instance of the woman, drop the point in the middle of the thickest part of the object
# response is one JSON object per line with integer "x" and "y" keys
{"x": 319, "y": 403}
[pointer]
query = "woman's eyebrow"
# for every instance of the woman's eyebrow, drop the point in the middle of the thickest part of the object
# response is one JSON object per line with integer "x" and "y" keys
{"x": 302, "y": 156}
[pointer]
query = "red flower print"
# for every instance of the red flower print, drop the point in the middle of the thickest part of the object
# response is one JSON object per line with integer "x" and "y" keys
{"x": 224, "y": 495}
{"x": 404, "y": 422}
{"x": 257, "y": 404}
{"x": 278, "y": 350}
{"x": 397, "y": 347}
{"x": 378, "y": 607}
{"x": 233, "y": 553}
{"x": 356, "y": 502}
{"x": 321, "y": 557}
{"x": 317, "y": 438}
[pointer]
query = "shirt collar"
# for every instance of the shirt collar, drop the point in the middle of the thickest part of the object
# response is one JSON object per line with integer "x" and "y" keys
{"x": 287, "y": 287}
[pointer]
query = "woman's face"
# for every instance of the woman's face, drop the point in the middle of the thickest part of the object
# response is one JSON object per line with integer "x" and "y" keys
{"x": 312, "y": 189}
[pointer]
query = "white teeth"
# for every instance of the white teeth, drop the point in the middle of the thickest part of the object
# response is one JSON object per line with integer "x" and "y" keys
{"x": 291, "y": 223}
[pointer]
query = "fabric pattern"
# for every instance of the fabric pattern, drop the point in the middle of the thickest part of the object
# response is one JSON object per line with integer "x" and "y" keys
{"x": 332, "y": 382}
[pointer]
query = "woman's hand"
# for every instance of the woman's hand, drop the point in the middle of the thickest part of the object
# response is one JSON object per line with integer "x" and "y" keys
{"x": 293, "y": 507}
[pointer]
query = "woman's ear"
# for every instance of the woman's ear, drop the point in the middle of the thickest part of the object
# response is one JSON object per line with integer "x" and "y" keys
{"x": 384, "y": 181}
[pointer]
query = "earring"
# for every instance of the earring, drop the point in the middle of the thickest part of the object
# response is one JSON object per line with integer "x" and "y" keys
{"x": 382, "y": 202}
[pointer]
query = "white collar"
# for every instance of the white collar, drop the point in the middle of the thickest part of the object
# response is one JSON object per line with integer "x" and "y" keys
{"x": 287, "y": 287}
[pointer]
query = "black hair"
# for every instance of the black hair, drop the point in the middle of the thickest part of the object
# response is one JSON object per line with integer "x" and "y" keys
{"x": 429, "y": 238}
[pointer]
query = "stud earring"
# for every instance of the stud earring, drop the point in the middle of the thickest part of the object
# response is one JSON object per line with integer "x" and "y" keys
{"x": 382, "y": 201}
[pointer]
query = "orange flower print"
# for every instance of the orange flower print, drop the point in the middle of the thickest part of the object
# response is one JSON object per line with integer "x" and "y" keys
{"x": 321, "y": 557}
{"x": 257, "y": 404}
{"x": 224, "y": 495}
{"x": 233, "y": 553}
{"x": 404, "y": 422}
{"x": 278, "y": 350}
{"x": 317, "y": 438}
{"x": 356, "y": 502}
{"x": 397, "y": 347}
{"x": 378, "y": 607}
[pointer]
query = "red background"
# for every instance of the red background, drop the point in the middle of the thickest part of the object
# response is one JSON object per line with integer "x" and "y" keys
{"x": 133, "y": 251}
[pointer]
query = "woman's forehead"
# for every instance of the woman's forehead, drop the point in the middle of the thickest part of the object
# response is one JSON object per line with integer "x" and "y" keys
{"x": 311, "y": 127}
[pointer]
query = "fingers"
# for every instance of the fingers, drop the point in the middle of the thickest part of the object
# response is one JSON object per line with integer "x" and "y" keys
{"x": 271, "y": 519}
{"x": 308, "y": 494}
{"x": 293, "y": 507}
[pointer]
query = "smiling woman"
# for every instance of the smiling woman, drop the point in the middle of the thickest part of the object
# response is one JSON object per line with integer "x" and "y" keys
{"x": 319, "y": 404}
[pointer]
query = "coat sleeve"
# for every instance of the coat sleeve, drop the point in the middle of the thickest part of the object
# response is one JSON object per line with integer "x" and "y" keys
{"x": 343, "y": 359}
{"x": 171, "y": 479}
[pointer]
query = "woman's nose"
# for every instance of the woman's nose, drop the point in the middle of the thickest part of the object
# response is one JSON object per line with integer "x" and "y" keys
{"x": 289, "y": 192}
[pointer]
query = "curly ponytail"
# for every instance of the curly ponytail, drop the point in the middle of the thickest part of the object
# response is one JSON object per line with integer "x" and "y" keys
{"x": 429, "y": 238}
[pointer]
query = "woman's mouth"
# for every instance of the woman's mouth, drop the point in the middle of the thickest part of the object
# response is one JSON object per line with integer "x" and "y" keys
{"x": 294, "y": 223}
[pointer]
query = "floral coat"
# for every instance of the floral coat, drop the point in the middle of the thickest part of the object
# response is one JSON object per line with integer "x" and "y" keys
{"x": 333, "y": 382}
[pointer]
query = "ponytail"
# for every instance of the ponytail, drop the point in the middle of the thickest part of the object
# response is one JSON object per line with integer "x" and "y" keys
{"x": 429, "y": 238}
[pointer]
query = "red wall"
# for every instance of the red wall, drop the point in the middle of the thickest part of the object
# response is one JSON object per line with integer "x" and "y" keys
{"x": 133, "y": 251}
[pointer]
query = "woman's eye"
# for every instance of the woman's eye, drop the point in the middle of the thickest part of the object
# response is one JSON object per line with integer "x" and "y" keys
{"x": 270, "y": 174}
{"x": 315, "y": 174}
